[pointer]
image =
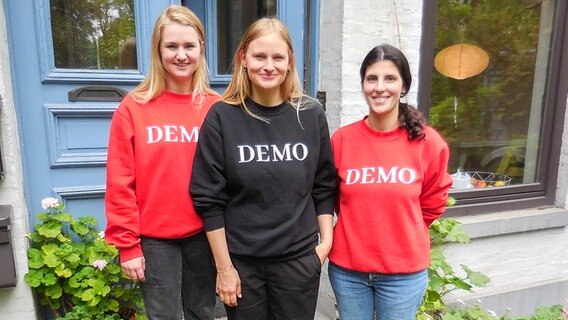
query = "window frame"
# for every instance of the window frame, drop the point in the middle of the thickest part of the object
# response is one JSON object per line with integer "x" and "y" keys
{"x": 286, "y": 11}
{"x": 52, "y": 74}
{"x": 539, "y": 194}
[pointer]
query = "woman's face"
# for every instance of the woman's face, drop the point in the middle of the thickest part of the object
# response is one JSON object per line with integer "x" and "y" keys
{"x": 267, "y": 61}
{"x": 382, "y": 87}
{"x": 180, "y": 49}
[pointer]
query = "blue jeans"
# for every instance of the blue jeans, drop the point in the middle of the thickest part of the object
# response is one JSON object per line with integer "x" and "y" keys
{"x": 391, "y": 296}
{"x": 180, "y": 278}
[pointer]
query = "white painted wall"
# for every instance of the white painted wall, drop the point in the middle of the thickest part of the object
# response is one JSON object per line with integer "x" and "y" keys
{"x": 15, "y": 303}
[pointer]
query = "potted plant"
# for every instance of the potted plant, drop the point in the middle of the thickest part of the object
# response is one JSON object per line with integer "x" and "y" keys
{"x": 75, "y": 272}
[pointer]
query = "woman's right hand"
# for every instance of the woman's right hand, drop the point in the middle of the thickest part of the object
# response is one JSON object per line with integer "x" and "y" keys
{"x": 135, "y": 268}
{"x": 229, "y": 286}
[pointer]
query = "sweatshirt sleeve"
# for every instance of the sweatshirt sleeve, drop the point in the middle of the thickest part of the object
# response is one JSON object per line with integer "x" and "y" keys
{"x": 122, "y": 213}
{"x": 208, "y": 180}
{"x": 325, "y": 183}
{"x": 437, "y": 183}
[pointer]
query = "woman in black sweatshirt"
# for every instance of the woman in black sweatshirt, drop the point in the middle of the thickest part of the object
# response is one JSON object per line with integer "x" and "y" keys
{"x": 264, "y": 183}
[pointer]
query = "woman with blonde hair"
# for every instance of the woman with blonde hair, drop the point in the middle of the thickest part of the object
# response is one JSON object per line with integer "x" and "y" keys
{"x": 153, "y": 136}
{"x": 264, "y": 183}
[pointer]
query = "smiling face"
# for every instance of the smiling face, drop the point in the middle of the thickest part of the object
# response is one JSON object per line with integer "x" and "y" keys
{"x": 382, "y": 88}
{"x": 267, "y": 62}
{"x": 180, "y": 49}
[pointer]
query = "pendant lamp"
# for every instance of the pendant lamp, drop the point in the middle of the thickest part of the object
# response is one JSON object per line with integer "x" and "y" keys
{"x": 461, "y": 61}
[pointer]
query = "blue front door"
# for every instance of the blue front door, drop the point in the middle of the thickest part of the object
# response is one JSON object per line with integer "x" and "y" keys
{"x": 70, "y": 68}
{"x": 72, "y": 63}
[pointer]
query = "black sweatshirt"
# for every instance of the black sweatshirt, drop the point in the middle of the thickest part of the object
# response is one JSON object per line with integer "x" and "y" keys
{"x": 265, "y": 183}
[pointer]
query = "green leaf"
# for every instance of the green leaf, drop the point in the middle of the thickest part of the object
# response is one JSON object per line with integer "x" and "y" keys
{"x": 35, "y": 258}
{"x": 33, "y": 278}
{"x": 51, "y": 260}
{"x": 88, "y": 295}
{"x": 49, "y": 279}
{"x": 50, "y": 229}
{"x": 54, "y": 292}
{"x": 63, "y": 217}
{"x": 478, "y": 279}
{"x": 62, "y": 271}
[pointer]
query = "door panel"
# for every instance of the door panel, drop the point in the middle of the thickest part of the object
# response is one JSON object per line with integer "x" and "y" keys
{"x": 63, "y": 102}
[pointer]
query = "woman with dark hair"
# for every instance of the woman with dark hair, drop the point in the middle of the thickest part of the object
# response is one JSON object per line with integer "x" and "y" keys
{"x": 393, "y": 183}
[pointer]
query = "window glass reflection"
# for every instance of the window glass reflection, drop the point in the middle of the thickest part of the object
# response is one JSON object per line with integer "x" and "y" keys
{"x": 93, "y": 34}
{"x": 233, "y": 17}
{"x": 491, "y": 114}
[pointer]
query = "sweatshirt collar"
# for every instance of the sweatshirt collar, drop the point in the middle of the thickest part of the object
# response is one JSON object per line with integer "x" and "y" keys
{"x": 177, "y": 97}
{"x": 259, "y": 109}
{"x": 381, "y": 135}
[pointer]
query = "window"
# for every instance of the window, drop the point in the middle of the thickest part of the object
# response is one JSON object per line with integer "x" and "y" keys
{"x": 90, "y": 34}
{"x": 495, "y": 94}
{"x": 237, "y": 16}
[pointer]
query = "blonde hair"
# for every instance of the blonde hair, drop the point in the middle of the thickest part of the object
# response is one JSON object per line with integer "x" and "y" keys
{"x": 240, "y": 86}
{"x": 155, "y": 83}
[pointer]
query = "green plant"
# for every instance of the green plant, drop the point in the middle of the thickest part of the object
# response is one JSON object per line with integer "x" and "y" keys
{"x": 475, "y": 312}
{"x": 75, "y": 272}
{"x": 442, "y": 278}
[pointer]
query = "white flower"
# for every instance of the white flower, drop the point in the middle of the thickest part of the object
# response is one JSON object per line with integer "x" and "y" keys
{"x": 492, "y": 312}
{"x": 49, "y": 203}
{"x": 100, "y": 264}
{"x": 102, "y": 234}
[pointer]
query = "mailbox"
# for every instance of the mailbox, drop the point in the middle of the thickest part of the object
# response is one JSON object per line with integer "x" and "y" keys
{"x": 7, "y": 265}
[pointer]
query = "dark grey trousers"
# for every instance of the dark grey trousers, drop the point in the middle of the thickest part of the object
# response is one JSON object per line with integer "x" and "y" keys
{"x": 180, "y": 278}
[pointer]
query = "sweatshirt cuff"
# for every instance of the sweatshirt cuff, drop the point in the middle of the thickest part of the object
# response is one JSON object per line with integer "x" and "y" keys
{"x": 130, "y": 253}
{"x": 325, "y": 208}
{"x": 214, "y": 222}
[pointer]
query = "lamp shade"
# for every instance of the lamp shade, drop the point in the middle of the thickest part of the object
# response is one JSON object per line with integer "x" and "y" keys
{"x": 461, "y": 61}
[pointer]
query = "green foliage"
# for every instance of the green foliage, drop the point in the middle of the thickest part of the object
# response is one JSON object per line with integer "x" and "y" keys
{"x": 477, "y": 313}
{"x": 75, "y": 272}
{"x": 442, "y": 278}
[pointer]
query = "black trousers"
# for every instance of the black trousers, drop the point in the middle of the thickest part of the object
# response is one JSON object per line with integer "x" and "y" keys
{"x": 286, "y": 290}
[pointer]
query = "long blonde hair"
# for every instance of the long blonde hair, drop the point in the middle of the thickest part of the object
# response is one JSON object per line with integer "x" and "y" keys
{"x": 240, "y": 86}
{"x": 155, "y": 83}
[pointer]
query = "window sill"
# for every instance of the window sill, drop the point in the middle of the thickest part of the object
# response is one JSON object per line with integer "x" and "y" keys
{"x": 514, "y": 221}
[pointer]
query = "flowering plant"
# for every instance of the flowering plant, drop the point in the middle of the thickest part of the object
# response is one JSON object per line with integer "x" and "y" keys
{"x": 75, "y": 272}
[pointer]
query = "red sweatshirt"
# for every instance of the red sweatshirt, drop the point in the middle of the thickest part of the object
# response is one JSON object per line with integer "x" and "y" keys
{"x": 390, "y": 190}
{"x": 150, "y": 158}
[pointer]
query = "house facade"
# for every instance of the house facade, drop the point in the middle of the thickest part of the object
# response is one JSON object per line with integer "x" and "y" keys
{"x": 507, "y": 123}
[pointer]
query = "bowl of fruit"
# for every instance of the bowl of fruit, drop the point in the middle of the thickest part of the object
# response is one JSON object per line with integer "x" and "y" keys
{"x": 481, "y": 179}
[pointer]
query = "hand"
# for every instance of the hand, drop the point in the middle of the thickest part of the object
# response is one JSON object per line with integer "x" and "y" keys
{"x": 135, "y": 268}
{"x": 229, "y": 287}
{"x": 322, "y": 250}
